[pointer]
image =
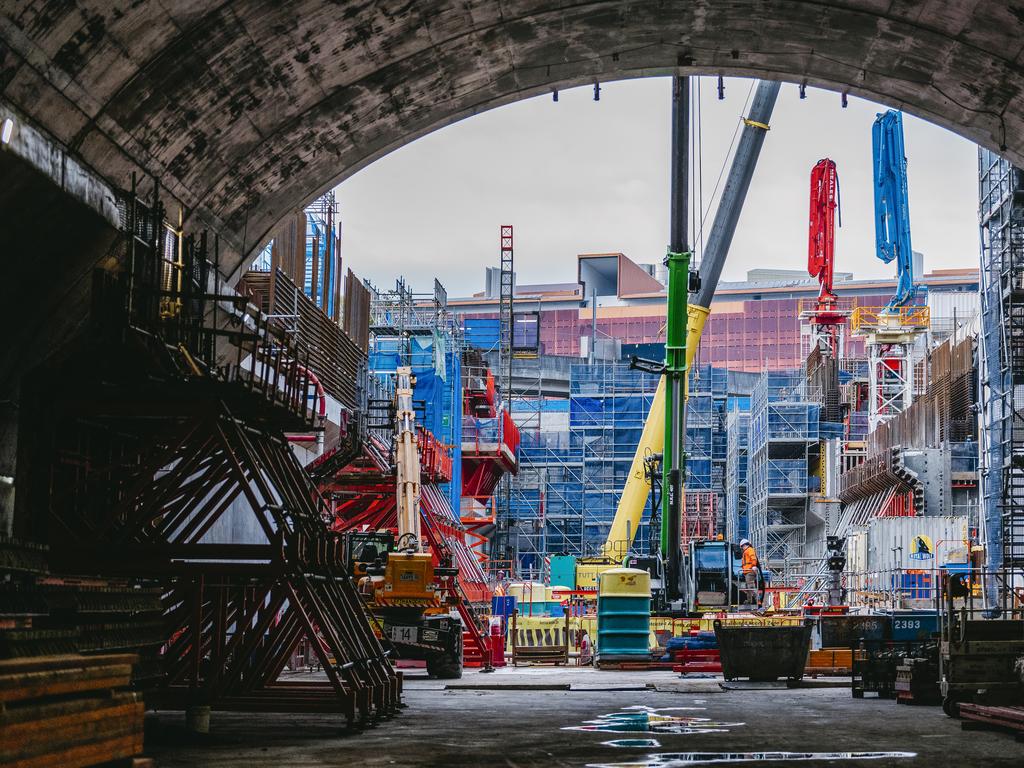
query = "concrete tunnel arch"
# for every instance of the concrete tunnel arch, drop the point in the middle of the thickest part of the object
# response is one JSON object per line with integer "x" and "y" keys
{"x": 247, "y": 110}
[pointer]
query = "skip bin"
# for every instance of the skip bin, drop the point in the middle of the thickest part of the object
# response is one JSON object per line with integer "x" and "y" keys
{"x": 850, "y": 630}
{"x": 913, "y": 626}
{"x": 763, "y": 652}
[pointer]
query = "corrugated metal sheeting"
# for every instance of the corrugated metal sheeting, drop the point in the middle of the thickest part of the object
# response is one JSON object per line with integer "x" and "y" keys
{"x": 908, "y": 543}
{"x": 947, "y": 306}
{"x": 356, "y": 313}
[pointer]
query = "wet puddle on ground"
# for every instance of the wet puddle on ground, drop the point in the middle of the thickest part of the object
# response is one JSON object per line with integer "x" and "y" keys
{"x": 641, "y": 719}
{"x": 684, "y": 759}
{"x": 633, "y": 743}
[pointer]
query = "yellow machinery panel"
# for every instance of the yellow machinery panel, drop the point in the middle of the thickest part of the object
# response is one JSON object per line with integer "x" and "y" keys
{"x": 587, "y": 572}
{"x": 625, "y": 582}
{"x": 409, "y": 575}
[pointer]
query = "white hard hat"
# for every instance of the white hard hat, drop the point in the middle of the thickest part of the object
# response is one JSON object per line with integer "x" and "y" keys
{"x": 744, "y": 542}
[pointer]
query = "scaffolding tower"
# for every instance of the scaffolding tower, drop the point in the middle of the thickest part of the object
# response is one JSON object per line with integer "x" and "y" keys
{"x": 608, "y": 405}
{"x": 503, "y": 542}
{"x": 895, "y": 340}
{"x": 783, "y": 451}
{"x": 705, "y": 430}
{"x": 546, "y": 495}
{"x": 736, "y": 494}
{"x": 416, "y": 329}
{"x": 1001, "y": 197}
{"x": 529, "y": 502}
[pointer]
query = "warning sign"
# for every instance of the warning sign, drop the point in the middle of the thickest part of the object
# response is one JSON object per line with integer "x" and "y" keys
{"x": 922, "y": 548}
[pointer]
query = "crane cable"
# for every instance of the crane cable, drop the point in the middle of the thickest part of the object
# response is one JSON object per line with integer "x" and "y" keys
{"x": 728, "y": 155}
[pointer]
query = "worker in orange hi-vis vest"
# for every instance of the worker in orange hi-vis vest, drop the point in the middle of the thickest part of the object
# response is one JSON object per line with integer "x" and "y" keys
{"x": 750, "y": 567}
{"x": 586, "y": 657}
{"x": 499, "y": 587}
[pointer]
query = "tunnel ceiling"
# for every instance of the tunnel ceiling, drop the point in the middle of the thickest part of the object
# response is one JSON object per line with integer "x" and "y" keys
{"x": 244, "y": 110}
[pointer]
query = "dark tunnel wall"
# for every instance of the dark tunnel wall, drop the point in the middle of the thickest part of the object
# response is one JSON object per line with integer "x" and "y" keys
{"x": 246, "y": 110}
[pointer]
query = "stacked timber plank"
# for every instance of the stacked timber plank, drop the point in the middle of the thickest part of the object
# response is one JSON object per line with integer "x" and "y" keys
{"x": 23, "y": 609}
{"x": 43, "y": 614}
{"x": 829, "y": 661}
{"x": 68, "y": 711}
{"x": 1006, "y": 718}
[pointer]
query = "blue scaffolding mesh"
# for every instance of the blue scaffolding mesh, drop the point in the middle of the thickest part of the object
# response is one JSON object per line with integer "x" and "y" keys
{"x": 573, "y": 470}
{"x": 481, "y": 332}
{"x": 706, "y": 439}
{"x": 437, "y": 365}
{"x": 608, "y": 405}
{"x": 858, "y": 425}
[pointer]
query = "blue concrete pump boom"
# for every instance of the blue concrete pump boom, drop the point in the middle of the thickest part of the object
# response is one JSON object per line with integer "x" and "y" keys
{"x": 892, "y": 206}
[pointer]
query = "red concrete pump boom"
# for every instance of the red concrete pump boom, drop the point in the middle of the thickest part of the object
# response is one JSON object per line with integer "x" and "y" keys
{"x": 821, "y": 242}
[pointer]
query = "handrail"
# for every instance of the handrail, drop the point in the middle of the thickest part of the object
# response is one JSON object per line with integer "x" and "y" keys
{"x": 891, "y": 318}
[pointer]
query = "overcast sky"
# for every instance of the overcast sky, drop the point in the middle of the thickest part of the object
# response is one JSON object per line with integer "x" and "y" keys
{"x": 581, "y": 176}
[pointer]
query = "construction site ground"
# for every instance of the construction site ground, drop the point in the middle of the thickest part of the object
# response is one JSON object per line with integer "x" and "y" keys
{"x": 542, "y": 716}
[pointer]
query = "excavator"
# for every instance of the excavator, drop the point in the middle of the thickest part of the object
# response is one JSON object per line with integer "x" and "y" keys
{"x": 686, "y": 316}
{"x": 413, "y": 602}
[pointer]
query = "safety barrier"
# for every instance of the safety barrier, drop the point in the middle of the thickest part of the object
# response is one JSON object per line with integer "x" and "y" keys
{"x": 896, "y": 588}
{"x": 844, "y": 304}
{"x": 544, "y": 640}
{"x": 545, "y": 632}
{"x": 885, "y": 318}
{"x": 489, "y": 434}
{"x": 435, "y": 456}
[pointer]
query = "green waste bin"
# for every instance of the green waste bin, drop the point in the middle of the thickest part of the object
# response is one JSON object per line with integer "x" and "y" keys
{"x": 623, "y": 615}
{"x": 763, "y": 652}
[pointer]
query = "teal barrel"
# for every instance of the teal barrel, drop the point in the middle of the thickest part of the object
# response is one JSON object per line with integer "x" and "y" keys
{"x": 623, "y": 615}
{"x": 563, "y": 571}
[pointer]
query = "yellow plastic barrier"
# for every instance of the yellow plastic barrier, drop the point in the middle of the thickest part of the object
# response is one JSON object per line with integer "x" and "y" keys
{"x": 546, "y": 631}
{"x": 884, "y": 318}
